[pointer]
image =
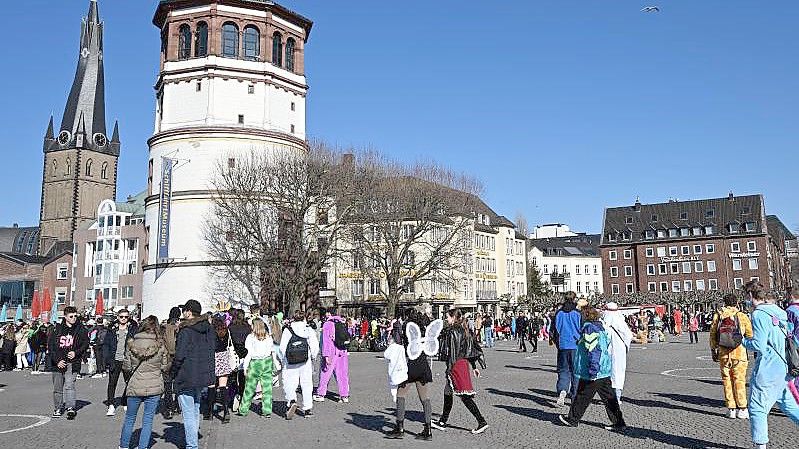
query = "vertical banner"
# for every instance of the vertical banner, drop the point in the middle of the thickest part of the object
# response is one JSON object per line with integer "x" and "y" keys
{"x": 164, "y": 215}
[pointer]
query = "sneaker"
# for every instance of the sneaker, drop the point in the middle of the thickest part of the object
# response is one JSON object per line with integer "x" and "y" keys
{"x": 97, "y": 376}
{"x": 345, "y": 399}
{"x": 111, "y": 410}
{"x": 36, "y": 372}
{"x": 236, "y": 403}
{"x": 561, "y": 399}
{"x": 440, "y": 425}
{"x": 742, "y": 413}
{"x": 731, "y": 413}
{"x": 566, "y": 422}
{"x": 480, "y": 428}
{"x": 616, "y": 427}
{"x": 125, "y": 408}
{"x": 291, "y": 410}
{"x": 17, "y": 369}
{"x": 57, "y": 413}
{"x": 71, "y": 413}
{"x": 317, "y": 398}
{"x": 307, "y": 413}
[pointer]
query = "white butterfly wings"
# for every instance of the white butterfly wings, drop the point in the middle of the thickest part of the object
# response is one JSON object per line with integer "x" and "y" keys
{"x": 427, "y": 344}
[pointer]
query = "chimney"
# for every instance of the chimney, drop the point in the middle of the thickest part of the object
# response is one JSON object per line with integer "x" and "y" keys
{"x": 731, "y": 196}
{"x": 16, "y": 225}
{"x": 637, "y": 203}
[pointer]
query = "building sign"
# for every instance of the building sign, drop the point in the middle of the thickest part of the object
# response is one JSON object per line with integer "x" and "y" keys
{"x": 164, "y": 214}
{"x": 743, "y": 255}
{"x": 668, "y": 259}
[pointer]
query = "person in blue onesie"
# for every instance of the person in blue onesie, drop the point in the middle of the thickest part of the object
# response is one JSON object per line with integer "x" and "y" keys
{"x": 769, "y": 382}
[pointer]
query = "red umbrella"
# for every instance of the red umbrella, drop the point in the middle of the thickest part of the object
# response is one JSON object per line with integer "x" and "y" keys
{"x": 99, "y": 307}
{"x": 47, "y": 303}
{"x": 36, "y": 306}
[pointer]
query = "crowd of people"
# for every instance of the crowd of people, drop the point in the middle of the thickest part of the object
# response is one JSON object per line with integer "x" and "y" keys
{"x": 211, "y": 365}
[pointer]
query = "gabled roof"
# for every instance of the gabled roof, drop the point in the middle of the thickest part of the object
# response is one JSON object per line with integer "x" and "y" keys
{"x": 581, "y": 245}
{"x": 778, "y": 229}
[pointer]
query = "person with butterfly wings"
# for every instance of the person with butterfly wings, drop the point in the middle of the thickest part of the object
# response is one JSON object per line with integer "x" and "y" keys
{"x": 416, "y": 348}
{"x": 460, "y": 350}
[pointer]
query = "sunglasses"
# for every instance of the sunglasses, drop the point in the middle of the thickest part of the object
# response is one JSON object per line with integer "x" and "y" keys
{"x": 123, "y": 316}
{"x": 72, "y": 316}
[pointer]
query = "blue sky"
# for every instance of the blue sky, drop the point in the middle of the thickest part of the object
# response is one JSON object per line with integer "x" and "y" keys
{"x": 560, "y": 107}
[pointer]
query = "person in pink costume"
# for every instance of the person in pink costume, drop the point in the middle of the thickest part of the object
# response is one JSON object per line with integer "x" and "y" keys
{"x": 335, "y": 361}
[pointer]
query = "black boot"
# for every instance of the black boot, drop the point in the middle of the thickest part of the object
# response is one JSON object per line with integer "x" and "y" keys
{"x": 222, "y": 396}
{"x": 397, "y": 432}
{"x": 426, "y": 434}
{"x": 208, "y": 409}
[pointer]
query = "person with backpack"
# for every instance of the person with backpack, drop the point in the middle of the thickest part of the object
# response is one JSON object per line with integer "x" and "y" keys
{"x": 335, "y": 357}
{"x": 566, "y": 334}
{"x": 729, "y": 327}
{"x": 769, "y": 381}
{"x": 298, "y": 348}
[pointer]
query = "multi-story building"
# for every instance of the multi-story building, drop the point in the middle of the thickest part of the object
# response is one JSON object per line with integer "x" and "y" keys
{"x": 231, "y": 83}
{"x": 548, "y": 231}
{"x": 492, "y": 279}
{"x": 108, "y": 255}
{"x": 568, "y": 263}
{"x": 679, "y": 246}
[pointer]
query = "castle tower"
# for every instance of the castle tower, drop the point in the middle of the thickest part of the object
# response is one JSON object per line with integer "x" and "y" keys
{"x": 80, "y": 162}
{"x": 231, "y": 82}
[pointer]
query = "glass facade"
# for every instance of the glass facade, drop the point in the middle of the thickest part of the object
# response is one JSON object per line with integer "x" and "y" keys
{"x": 14, "y": 293}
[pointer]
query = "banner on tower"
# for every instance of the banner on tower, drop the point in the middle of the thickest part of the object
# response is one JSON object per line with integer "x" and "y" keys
{"x": 164, "y": 215}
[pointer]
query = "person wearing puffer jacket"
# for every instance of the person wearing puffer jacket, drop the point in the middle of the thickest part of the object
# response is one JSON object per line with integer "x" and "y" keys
{"x": 593, "y": 367}
{"x": 146, "y": 360}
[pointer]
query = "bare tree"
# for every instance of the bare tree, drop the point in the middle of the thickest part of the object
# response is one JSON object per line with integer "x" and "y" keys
{"x": 272, "y": 219}
{"x": 411, "y": 224}
{"x": 521, "y": 224}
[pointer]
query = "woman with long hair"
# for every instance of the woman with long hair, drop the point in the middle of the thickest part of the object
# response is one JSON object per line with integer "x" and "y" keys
{"x": 222, "y": 370}
{"x": 258, "y": 369}
{"x": 145, "y": 360}
{"x": 239, "y": 329}
{"x": 460, "y": 350}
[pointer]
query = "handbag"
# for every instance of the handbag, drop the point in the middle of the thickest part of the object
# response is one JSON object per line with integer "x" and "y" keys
{"x": 233, "y": 356}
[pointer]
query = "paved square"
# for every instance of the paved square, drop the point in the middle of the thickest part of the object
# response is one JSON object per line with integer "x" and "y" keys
{"x": 680, "y": 409}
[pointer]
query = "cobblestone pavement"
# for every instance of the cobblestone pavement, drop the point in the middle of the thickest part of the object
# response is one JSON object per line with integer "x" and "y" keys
{"x": 680, "y": 409}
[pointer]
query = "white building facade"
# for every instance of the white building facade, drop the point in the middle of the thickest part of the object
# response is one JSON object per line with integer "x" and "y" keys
{"x": 231, "y": 84}
{"x": 568, "y": 263}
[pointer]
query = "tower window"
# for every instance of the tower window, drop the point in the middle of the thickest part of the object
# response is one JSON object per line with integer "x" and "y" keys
{"x": 201, "y": 40}
{"x": 184, "y": 43}
{"x": 231, "y": 162}
{"x": 104, "y": 171}
{"x": 230, "y": 40}
{"x": 277, "y": 49}
{"x": 54, "y": 169}
{"x": 290, "y": 54}
{"x": 292, "y": 105}
{"x": 241, "y": 119}
{"x": 251, "y": 89}
{"x": 89, "y": 167}
{"x": 252, "y": 39}
{"x": 199, "y": 86}
{"x": 292, "y": 129}
{"x": 68, "y": 167}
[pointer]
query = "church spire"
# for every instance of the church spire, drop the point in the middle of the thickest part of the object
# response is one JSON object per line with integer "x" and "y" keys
{"x": 87, "y": 96}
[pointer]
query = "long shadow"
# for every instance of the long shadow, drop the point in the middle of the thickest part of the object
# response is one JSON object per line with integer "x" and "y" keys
{"x": 531, "y": 368}
{"x": 708, "y": 381}
{"x": 173, "y": 434}
{"x": 80, "y": 404}
{"x": 661, "y": 405}
{"x": 549, "y": 393}
{"x": 693, "y": 400}
{"x": 410, "y": 415}
{"x": 509, "y": 350}
{"x": 544, "y": 402}
{"x": 672, "y": 439}
{"x": 374, "y": 423}
{"x": 541, "y": 415}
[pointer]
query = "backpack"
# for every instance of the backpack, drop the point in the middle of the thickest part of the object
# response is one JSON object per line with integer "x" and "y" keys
{"x": 729, "y": 332}
{"x": 791, "y": 356}
{"x": 341, "y": 339}
{"x": 297, "y": 349}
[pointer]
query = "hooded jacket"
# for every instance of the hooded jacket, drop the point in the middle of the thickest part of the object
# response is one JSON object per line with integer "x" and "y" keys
{"x": 147, "y": 353}
{"x": 593, "y": 358}
{"x": 64, "y": 339}
{"x": 745, "y": 325}
{"x": 329, "y": 348}
{"x": 193, "y": 365}
{"x": 566, "y": 326}
{"x": 302, "y": 330}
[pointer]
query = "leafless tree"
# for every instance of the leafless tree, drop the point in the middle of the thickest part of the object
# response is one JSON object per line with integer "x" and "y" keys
{"x": 521, "y": 224}
{"x": 410, "y": 224}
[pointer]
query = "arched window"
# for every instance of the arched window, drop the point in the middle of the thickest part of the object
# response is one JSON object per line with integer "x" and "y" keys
{"x": 201, "y": 40}
{"x": 89, "y": 167}
{"x": 104, "y": 170}
{"x": 230, "y": 40}
{"x": 290, "y": 54}
{"x": 277, "y": 49}
{"x": 54, "y": 169}
{"x": 184, "y": 44}
{"x": 68, "y": 167}
{"x": 252, "y": 45}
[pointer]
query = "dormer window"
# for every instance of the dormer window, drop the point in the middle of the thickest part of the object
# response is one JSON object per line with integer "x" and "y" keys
{"x": 734, "y": 227}
{"x": 661, "y": 233}
{"x": 746, "y": 211}
{"x": 611, "y": 237}
{"x": 674, "y": 232}
{"x": 749, "y": 226}
{"x": 654, "y": 217}
{"x": 683, "y": 215}
{"x": 649, "y": 234}
{"x": 709, "y": 213}
{"x": 628, "y": 220}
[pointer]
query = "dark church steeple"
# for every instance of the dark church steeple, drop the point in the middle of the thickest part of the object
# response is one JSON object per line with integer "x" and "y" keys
{"x": 84, "y": 113}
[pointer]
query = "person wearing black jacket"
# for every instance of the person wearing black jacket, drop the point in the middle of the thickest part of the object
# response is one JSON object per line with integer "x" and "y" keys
{"x": 67, "y": 344}
{"x": 239, "y": 330}
{"x": 535, "y": 329}
{"x": 521, "y": 331}
{"x": 114, "y": 350}
{"x": 193, "y": 367}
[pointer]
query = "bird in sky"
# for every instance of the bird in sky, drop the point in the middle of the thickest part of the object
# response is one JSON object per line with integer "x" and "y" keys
{"x": 650, "y": 9}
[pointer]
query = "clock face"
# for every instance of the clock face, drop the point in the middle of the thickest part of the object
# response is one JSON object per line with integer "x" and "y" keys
{"x": 100, "y": 140}
{"x": 64, "y": 137}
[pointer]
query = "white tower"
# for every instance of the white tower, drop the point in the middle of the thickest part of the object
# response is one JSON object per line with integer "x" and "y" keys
{"x": 231, "y": 82}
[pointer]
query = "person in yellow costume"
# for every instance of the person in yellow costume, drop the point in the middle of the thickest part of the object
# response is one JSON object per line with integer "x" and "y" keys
{"x": 726, "y": 332}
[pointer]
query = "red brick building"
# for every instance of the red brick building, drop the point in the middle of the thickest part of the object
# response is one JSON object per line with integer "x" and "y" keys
{"x": 679, "y": 246}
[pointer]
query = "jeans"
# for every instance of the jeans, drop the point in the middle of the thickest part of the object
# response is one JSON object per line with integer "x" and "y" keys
{"x": 150, "y": 407}
{"x": 189, "y": 401}
{"x": 64, "y": 388}
{"x": 566, "y": 379}
{"x": 694, "y": 335}
{"x": 113, "y": 379}
{"x": 489, "y": 333}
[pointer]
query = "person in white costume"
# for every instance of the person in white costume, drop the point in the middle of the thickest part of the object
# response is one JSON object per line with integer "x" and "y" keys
{"x": 620, "y": 338}
{"x": 298, "y": 373}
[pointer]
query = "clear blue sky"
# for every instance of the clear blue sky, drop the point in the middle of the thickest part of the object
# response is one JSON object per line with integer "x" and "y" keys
{"x": 560, "y": 107}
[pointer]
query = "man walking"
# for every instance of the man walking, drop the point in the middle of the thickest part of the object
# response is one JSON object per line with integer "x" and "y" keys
{"x": 726, "y": 332}
{"x": 535, "y": 330}
{"x": 114, "y": 348}
{"x": 521, "y": 331}
{"x": 488, "y": 330}
{"x": 335, "y": 358}
{"x": 566, "y": 333}
{"x": 193, "y": 367}
{"x": 67, "y": 344}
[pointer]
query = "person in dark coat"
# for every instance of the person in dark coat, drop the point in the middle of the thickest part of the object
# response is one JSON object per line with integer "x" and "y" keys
{"x": 193, "y": 367}
{"x": 67, "y": 344}
{"x": 114, "y": 350}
